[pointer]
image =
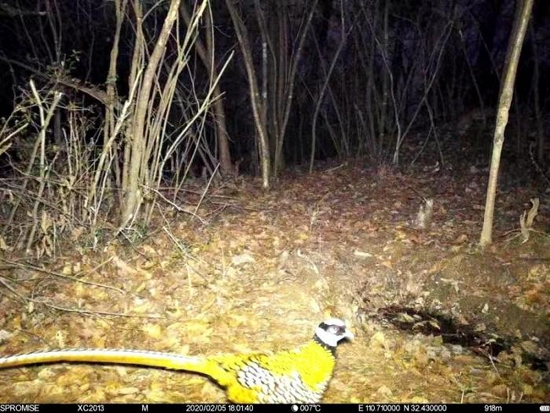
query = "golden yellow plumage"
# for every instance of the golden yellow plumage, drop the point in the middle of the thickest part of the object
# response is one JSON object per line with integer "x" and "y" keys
{"x": 300, "y": 375}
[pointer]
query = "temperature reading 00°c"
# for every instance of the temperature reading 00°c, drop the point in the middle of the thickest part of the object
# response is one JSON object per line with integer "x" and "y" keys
{"x": 306, "y": 408}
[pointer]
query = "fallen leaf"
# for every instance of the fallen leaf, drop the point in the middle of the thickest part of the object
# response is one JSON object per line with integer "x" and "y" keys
{"x": 242, "y": 259}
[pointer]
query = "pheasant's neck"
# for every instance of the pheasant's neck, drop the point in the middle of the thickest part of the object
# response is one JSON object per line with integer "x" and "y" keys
{"x": 325, "y": 345}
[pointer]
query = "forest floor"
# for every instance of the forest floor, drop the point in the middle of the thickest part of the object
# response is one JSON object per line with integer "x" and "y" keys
{"x": 435, "y": 318}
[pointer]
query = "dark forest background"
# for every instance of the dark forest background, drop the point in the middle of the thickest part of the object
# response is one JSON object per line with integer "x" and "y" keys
{"x": 105, "y": 103}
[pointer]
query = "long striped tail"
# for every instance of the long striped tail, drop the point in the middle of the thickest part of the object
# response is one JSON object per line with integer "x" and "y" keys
{"x": 133, "y": 357}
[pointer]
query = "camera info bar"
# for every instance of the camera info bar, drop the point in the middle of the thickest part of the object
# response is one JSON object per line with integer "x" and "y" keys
{"x": 279, "y": 408}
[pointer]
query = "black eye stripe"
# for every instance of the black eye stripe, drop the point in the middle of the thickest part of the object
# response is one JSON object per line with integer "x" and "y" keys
{"x": 333, "y": 329}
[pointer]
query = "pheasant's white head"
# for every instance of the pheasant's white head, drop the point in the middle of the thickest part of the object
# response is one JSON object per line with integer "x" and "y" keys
{"x": 330, "y": 332}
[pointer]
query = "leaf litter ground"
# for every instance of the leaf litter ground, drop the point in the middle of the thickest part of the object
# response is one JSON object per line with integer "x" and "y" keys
{"x": 259, "y": 270}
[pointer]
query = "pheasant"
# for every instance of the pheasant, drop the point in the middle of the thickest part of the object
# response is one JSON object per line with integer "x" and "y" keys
{"x": 299, "y": 375}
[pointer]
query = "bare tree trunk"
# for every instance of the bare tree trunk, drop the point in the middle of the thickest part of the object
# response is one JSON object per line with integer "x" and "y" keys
{"x": 286, "y": 100}
{"x": 132, "y": 193}
{"x": 264, "y": 35}
{"x": 255, "y": 98}
{"x": 515, "y": 44}
{"x": 207, "y": 56}
{"x": 384, "y": 111}
{"x": 536, "y": 98}
{"x": 112, "y": 95}
{"x": 324, "y": 88}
